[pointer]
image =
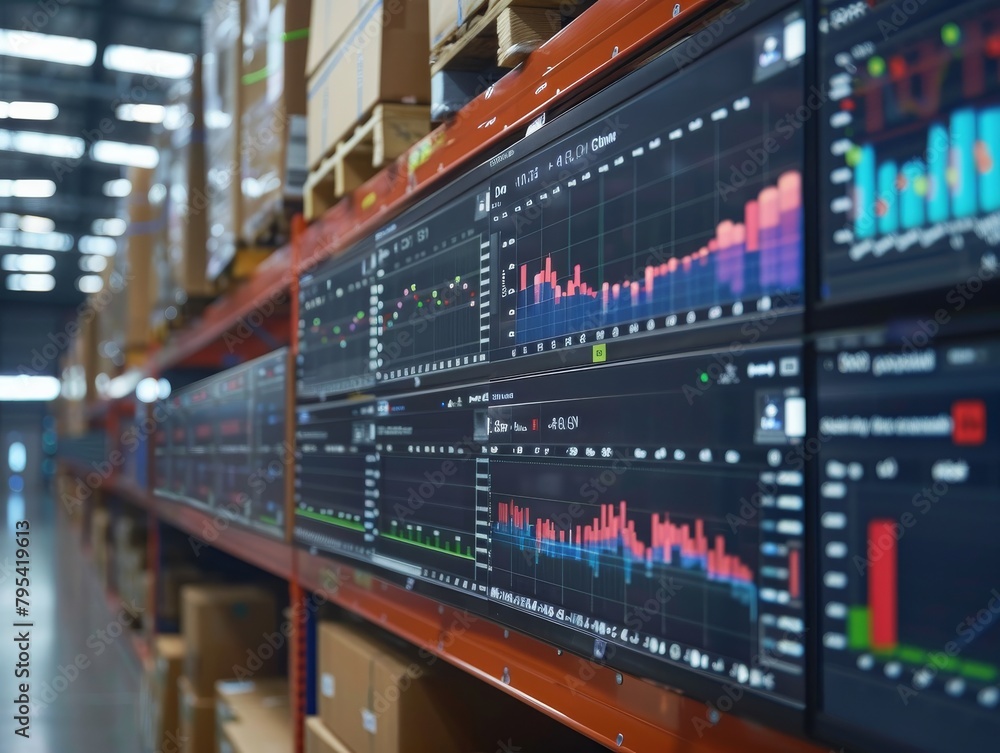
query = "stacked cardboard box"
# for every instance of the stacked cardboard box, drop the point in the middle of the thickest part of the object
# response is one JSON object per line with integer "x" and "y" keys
{"x": 181, "y": 260}
{"x": 226, "y": 630}
{"x": 273, "y": 120}
{"x": 145, "y": 223}
{"x": 254, "y": 717}
{"x": 376, "y": 699}
{"x": 378, "y": 55}
{"x": 163, "y": 718}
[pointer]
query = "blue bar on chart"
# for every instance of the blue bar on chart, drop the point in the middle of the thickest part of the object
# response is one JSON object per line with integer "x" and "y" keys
{"x": 864, "y": 193}
{"x": 988, "y": 159}
{"x": 938, "y": 146}
{"x": 963, "y": 145}
{"x": 888, "y": 204}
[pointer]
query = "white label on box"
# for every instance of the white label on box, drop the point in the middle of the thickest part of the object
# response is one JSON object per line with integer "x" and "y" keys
{"x": 328, "y": 687}
{"x": 369, "y": 721}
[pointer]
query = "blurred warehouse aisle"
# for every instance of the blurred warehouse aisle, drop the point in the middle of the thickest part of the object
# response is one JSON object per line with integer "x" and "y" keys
{"x": 84, "y": 679}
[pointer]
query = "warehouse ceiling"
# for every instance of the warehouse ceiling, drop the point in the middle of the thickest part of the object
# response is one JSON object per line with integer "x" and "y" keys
{"x": 92, "y": 60}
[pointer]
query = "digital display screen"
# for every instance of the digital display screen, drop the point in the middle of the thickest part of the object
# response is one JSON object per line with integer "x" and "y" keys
{"x": 400, "y": 483}
{"x": 658, "y": 506}
{"x": 434, "y": 519}
{"x": 335, "y": 491}
{"x": 657, "y": 218}
{"x": 908, "y": 519}
{"x": 434, "y": 289}
{"x": 222, "y": 443}
{"x": 910, "y": 146}
{"x": 336, "y": 337}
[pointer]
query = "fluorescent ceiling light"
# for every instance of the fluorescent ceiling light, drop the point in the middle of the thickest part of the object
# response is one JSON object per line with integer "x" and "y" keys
{"x": 46, "y": 241}
{"x": 93, "y": 244}
{"x": 47, "y": 47}
{"x": 118, "y": 188}
{"x": 29, "y": 110}
{"x": 45, "y": 144}
{"x": 27, "y": 189}
{"x": 123, "y": 384}
{"x": 141, "y": 113}
{"x": 93, "y": 263}
{"x": 157, "y": 193}
{"x": 147, "y": 391}
{"x": 37, "y": 241}
{"x": 131, "y": 155}
{"x": 27, "y": 263}
{"x": 123, "y": 57}
{"x": 31, "y": 283}
{"x": 90, "y": 284}
{"x": 29, "y": 223}
{"x": 112, "y": 226}
{"x": 23, "y": 387}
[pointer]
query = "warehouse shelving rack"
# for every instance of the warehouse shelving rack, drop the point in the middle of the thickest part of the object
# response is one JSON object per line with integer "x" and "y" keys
{"x": 622, "y": 712}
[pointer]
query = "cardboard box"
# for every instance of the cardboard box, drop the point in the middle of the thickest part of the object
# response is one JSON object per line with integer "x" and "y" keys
{"x": 183, "y": 265}
{"x": 254, "y": 716}
{"x": 241, "y": 701}
{"x": 168, "y": 661}
{"x": 321, "y": 740}
{"x": 381, "y": 57}
{"x": 224, "y": 626}
{"x": 259, "y": 735}
{"x": 273, "y": 125}
{"x": 377, "y": 700}
{"x": 447, "y": 15}
{"x": 145, "y": 221}
{"x": 197, "y": 719}
{"x": 221, "y": 69}
{"x": 328, "y": 20}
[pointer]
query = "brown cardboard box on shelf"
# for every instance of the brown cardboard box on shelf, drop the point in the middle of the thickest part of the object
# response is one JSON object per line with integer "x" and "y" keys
{"x": 224, "y": 626}
{"x": 197, "y": 720}
{"x": 378, "y": 700}
{"x": 328, "y": 20}
{"x": 168, "y": 660}
{"x": 271, "y": 733}
{"x": 321, "y": 740}
{"x": 181, "y": 267}
{"x": 144, "y": 221}
{"x": 221, "y": 69}
{"x": 237, "y": 700}
{"x": 381, "y": 57}
{"x": 447, "y": 15}
{"x": 254, "y": 716}
{"x": 273, "y": 123}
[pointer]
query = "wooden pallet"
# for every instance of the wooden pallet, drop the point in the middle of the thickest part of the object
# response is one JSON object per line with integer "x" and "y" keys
{"x": 387, "y": 133}
{"x": 503, "y": 33}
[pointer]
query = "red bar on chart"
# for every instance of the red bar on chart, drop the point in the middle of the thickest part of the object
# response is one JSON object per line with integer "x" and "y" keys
{"x": 882, "y": 581}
